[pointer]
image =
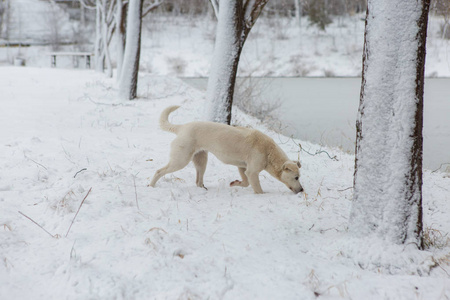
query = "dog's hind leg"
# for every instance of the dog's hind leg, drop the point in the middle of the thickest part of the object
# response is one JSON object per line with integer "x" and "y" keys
{"x": 180, "y": 156}
{"x": 200, "y": 160}
{"x": 244, "y": 182}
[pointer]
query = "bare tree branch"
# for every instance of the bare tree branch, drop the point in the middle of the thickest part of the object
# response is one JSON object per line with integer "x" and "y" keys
{"x": 88, "y": 4}
{"x": 252, "y": 10}
{"x": 152, "y": 7}
{"x": 110, "y": 14}
{"x": 215, "y": 5}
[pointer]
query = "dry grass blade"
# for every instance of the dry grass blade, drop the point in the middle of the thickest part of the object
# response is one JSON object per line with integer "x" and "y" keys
{"x": 157, "y": 228}
{"x": 434, "y": 238}
{"x": 135, "y": 191}
{"x": 37, "y": 224}
{"x": 73, "y": 220}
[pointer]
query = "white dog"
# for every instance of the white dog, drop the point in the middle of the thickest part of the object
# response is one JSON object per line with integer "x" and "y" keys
{"x": 248, "y": 149}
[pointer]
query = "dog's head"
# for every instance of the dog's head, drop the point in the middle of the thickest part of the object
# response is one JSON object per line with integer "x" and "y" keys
{"x": 290, "y": 176}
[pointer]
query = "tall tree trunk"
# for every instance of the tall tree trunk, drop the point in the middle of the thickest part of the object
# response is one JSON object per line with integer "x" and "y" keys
{"x": 98, "y": 53}
{"x": 105, "y": 38}
{"x": 224, "y": 66}
{"x": 388, "y": 164}
{"x": 120, "y": 19}
{"x": 130, "y": 68}
{"x": 235, "y": 20}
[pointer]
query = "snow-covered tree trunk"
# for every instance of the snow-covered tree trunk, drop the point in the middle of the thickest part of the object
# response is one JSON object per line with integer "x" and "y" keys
{"x": 298, "y": 12}
{"x": 130, "y": 66}
{"x": 106, "y": 31}
{"x": 235, "y": 20}
{"x": 225, "y": 61}
{"x": 388, "y": 166}
{"x": 98, "y": 53}
{"x": 4, "y": 18}
{"x": 129, "y": 71}
{"x": 120, "y": 16}
{"x": 104, "y": 28}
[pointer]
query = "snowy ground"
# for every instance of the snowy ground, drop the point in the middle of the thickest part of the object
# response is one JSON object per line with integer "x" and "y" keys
{"x": 64, "y": 132}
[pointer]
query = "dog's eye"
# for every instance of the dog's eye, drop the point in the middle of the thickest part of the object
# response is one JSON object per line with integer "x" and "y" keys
{"x": 296, "y": 178}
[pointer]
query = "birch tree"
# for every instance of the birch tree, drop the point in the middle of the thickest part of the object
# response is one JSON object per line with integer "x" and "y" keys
{"x": 128, "y": 78}
{"x": 235, "y": 20}
{"x": 130, "y": 67}
{"x": 4, "y": 18}
{"x": 120, "y": 23}
{"x": 104, "y": 30}
{"x": 388, "y": 166}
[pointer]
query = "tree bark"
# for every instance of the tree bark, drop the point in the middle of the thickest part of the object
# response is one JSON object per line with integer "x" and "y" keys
{"x": 130, "y": 68}
{"x": 227, "y": 52}
{"x": 99, "y": 58}
{"x": 235, "y": 20}
{"x": 120, "y": 19}
{"x": 388, "y": 163}
{"x": 104, "y": 29}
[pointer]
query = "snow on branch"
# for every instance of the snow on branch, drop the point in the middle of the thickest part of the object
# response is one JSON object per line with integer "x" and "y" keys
{"x": 88, "y": 4}
{"x": 110, "y": 14}
{"x": 252, "y": 10}
{"x": 151, "y": 7}
{"x": 215, "y": 5}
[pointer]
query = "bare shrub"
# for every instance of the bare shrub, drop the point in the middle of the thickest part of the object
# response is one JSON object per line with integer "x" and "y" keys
{"x": 329, "y": 73}
{"x": 445, "y": 31}
{"x": 177, "y": 65}
{"x": 279, "y": 26}
{"x": 442, "y": 8}
{"x": 433, "y": 238}
{"x": 4, "y": 18}
{"x": 248, "y": 98}
{"x": 299, "y": 68}
{"x": 54, "y": 19}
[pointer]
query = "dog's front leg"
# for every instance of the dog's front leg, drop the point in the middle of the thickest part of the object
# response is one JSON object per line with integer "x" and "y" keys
{"x": 253, "y": 177}
{"x": 244, "y": 182}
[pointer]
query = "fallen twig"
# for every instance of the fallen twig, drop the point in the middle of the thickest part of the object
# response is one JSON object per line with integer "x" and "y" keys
{"x": 84, "y": 169}
{"x": 73, "y": 220}
{"x": 345, "y": 189}
{"x": 135, "y": 191}
{"x": 37, "y": 224}
{"x": 440, "y": 167}
{"x": 41, "y": 165}
{"x": 318, "y": 152}
{"x": 157, "y": 228}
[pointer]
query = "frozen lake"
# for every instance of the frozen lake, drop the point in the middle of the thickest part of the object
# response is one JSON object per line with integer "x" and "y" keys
{"x": 323, "y": 111}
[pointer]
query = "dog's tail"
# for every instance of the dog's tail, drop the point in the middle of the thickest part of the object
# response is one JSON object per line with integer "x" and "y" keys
{"x": 164, "y": 120}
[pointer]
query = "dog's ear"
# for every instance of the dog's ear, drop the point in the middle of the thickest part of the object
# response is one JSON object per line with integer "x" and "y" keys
{"x": 299, "y": 165}
{"x": 290, "y": 166}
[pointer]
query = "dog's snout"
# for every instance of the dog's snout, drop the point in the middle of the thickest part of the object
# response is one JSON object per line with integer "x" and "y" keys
{"x": 297, "y": 190}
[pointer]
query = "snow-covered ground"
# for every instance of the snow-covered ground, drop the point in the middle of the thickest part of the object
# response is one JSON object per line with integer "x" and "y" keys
{"x": 65, "y": 133}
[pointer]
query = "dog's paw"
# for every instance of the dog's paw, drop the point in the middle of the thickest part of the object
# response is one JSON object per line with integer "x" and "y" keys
{"x": 235, "y": 183}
